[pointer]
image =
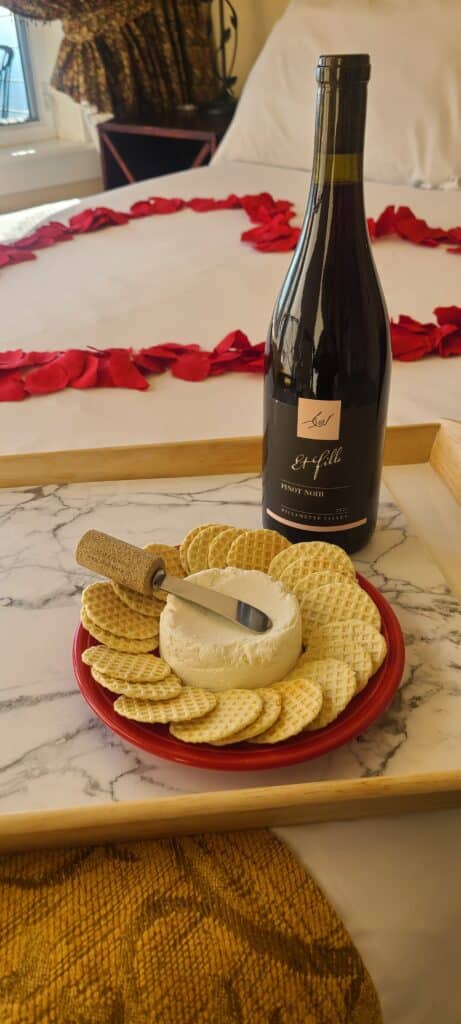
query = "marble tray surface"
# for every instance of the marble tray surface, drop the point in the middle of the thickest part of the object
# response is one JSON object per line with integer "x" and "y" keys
{"x": 54, "y": 753}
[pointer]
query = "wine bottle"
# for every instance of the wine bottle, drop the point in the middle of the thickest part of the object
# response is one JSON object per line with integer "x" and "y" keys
{"x": 328, "y": 349}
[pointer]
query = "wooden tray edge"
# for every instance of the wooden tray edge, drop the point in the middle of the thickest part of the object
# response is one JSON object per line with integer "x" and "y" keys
{"x": 263, "y": 807}
{"x": 403, "y": 445}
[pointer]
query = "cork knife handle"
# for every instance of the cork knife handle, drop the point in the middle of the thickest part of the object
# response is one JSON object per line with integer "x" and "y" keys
{"x": 118, "y": 560}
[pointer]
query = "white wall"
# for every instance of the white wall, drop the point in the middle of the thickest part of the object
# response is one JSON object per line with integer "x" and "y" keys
{"x": 68, "y": 121}
{"x": 256, "y": 18}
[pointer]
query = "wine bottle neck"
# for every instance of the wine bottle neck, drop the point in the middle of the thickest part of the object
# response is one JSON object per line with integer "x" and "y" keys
{"x": 339, "y": 133}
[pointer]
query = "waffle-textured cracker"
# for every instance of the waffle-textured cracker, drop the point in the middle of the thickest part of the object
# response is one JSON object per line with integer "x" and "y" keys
{"x": 321, "y": 554}
{"x": 106, "y": 610}
{"x": 272, "y": 706}
{"x": 197, "y": 552}
{"x": 255, "y": 549}
{"x": 140, "y": 603}
{"x": 166, "y": 689}
{"x": 185, "y": 544}
{"x": 308, "y": 580}
{"x": 132, "y": 668}
{"x": 220, "y": 545}
{"x": 191, "y": 703}
{"x": 234, "y": 710}
{"x": 335, "y": 602}
{"x": 354, "y": 655}
{"x": 299, "y": 569}
{"x": 338, "y": 683}
{"x": 301, "y": 703}
{"x": 116, "y": 643}
{"x": 351, "y": 631}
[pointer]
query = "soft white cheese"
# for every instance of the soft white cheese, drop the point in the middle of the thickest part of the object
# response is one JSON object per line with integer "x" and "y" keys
{"x": 204, "y": 649}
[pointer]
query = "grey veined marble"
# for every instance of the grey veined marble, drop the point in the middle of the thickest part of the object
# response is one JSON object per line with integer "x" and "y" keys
{"x": 55, "y": 753}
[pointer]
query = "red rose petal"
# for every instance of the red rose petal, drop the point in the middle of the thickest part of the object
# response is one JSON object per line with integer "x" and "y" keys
{"x": 46, "y": 235}
{"x": 73, "y": 362}
{"x": 152, "y": 364}
{"x": 47, "y": 379}
{"x": 38, "y": 358}
{"x": 202, "y": 205}
{"x": 275, "y": 235}
{"x": 156, "y": 205}
{"x": 88, "y": 376}
{"x": 94, "y": 220}
{"x": 117, "y": 370}
{"x": 11, "y": 388}
{"x": 12, "y": 359}
{"x": 231, "y": 202}
{"x": 193, "y": 366}
{"x": 385, "y": 224}
{"x": 412, "y": 340}
{"x": 235, "y": 339}
{"x": 448, "y": 315}
{"x": 10, "y": 255}
{"x": 449, "y": 340}
{"x": 143, "y": 208}
{"x": 264, "y": 207}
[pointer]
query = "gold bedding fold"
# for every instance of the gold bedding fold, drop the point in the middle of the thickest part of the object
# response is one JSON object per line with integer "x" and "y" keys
{"x": 213, "y": 929}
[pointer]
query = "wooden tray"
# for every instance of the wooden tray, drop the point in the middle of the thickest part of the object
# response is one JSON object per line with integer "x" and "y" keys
{"x": 438, "y": 444}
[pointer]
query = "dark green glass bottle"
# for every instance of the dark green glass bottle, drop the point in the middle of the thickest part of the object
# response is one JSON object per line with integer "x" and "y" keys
{"x": 328, "y": 348}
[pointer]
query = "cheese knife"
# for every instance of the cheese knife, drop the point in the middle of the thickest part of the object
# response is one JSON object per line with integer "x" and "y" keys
{"x": 141, "y": 571}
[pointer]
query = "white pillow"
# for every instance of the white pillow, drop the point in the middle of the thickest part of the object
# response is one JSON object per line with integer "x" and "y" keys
{"x": 414, "y": 95}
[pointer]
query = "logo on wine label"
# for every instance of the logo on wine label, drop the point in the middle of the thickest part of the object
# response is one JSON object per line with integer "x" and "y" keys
{"x": 318, "y": 421}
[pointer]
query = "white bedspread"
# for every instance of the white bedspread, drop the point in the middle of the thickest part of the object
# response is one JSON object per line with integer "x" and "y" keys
{"x": 187, "y": 278}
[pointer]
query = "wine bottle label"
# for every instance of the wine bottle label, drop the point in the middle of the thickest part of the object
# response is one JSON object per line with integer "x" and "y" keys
{"x": 323, "y": 465}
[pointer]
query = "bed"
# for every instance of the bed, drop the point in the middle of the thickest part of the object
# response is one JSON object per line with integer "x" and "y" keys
{"x": 188, "y": 278}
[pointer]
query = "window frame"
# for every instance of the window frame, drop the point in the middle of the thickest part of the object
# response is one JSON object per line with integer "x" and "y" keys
{"x": 39, "y": 47}
{"x": 29, "y": 83}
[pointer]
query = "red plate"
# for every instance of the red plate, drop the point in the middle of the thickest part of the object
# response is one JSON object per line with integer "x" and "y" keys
{"x": 244, "y": 757}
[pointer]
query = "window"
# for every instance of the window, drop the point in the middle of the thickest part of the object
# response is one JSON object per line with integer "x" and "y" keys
{"x": 17, "y": 101}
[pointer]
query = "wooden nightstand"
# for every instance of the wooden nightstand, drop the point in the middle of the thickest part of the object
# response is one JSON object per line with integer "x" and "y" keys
{"x": 169, "y": 142}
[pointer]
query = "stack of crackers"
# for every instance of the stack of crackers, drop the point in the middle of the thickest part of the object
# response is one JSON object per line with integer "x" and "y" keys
{"x": 342, "y": 643}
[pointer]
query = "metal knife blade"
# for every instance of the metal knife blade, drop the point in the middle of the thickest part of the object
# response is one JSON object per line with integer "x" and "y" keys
{"x": 222, "y": 604}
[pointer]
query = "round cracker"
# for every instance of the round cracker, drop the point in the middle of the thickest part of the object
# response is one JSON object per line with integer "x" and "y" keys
{"x": 140, "y": 603}
{"x": 220, "y": 545}
{"x": 166, "y": 689}
{"x": 197, "y": 552}
{"x": 185, "y": 544}
{"x": 133, "y": 668}
{"x": 106, "y": 610}
{"x": 349, "y": 651}
{"x": 272, "y": 706}
{"x": 351, "y": 631}
{"x": 320, "y": 552}
{"x": 255, "y": 549}
{"x": 338, "y": 683}
{"x": 191, "y": 703}
{"x": 116, "y": 643}
{"x": 335, "y": 602}
{"x": 301, "y": 703}
{"x": 309, "y": 580}
{"x": 235, "y": 709}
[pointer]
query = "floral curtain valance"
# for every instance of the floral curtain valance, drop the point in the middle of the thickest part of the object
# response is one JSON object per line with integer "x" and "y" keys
{"x": 130, "y": 57}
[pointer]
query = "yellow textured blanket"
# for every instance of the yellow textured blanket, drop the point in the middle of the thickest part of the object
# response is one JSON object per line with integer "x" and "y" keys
{"x": 215, "y": 929}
